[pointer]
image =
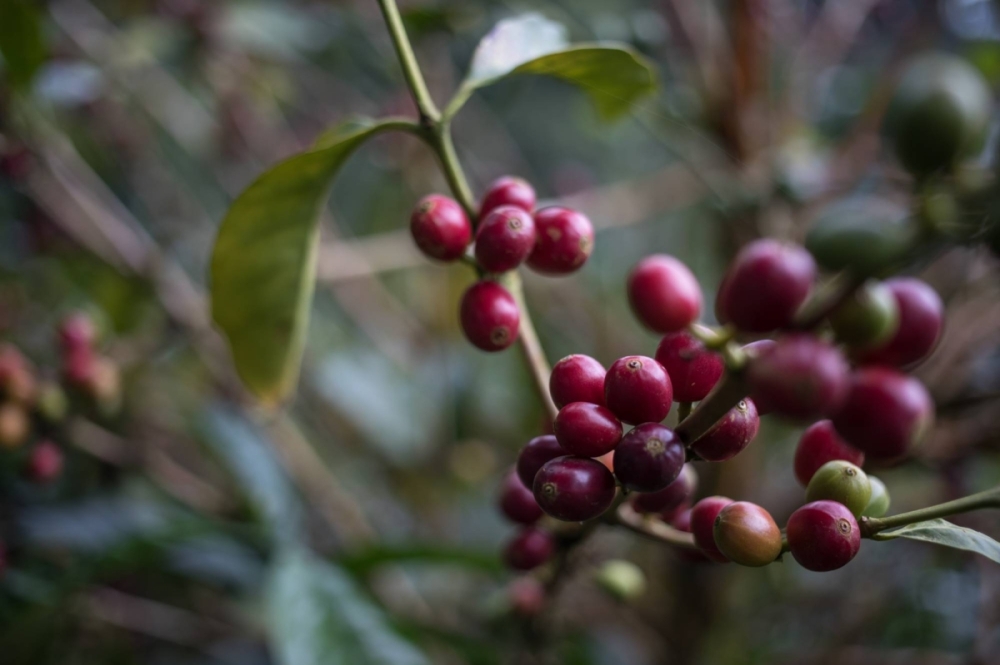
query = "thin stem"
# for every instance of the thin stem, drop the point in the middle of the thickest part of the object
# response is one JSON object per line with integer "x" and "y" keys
{"x": 531, "y": 346}
{"x": 988, "y": 499}
{"x": 445, "y": 148}
{"x": 408, "y": 61}
{"x": 727, "y": 393}
{"x": 653, "y": 528}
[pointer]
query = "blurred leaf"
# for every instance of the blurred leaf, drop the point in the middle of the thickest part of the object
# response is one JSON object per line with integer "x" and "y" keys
{"x": 273, "y": 30}
{"x": 264, "y": 263}
{"x": 317, "y": 616}
{"x": 21, "y": 42}
{"x": 942, "y": 532}
{"x": 364, "y": 561}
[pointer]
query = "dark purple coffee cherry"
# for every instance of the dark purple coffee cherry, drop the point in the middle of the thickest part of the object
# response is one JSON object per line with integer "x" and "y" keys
{"x": 801, "y": 377}
{"x": 638, "y": 390}
{"x": 746, "y": 534}
{"x": 731, "y": 435}
{"x": 508, "y": 191}
{"x": 587, "y": 430}
{"x": 693, "y": 369}
{"x": 440, "y": 228}
{"x": 821, "y": 444}
{"x": 529, "y": 549}
{"x": 574, "y": 489}
{"x": 921, "y": 317}
{"x": 703, "y": 526}
{"x": 670, "y": 497}
{"x": 517, "y": 502}
{"x": 565, "y": 239}
{"x": 664, "y": 294}
{"x": 535, "y": 454}
{"x": 649, "y": 458}
{"x": 823, "y": 536}
{"x": 577, "y": 378}
{"x": 765, "y": 286}
{"x": 489, "y": 316}
{"x": 504, "y": 239}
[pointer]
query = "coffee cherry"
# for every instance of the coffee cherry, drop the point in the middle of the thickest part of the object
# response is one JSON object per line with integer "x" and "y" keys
{"x": 517, "y": 502}
{"x": 587, "y": 430}
{"x": 577, "y": 378}
{"x": 649, "y": 458}
{"x": 440, "y": 228}
{"x": 802, "y": 377}
{"x": 535, "y": 454}
{"x": 504, "y": 238}
{"x": 886, "y": 413}
{"x": 878, "y": 505}
{"x": 842, "y": 482}
{"x": 77, "y": 331}
{"x": 755, "y": 350}
{"x": 682, "y": 522}
{"x": 508, "y": 191}
{"x": 574, "y": 489}
{"x": 703, "y": 526}
{"x": 14, "y": 425}
{"x": 693, "y": 369}
{"x": 731, "y": 435}
{"x": 766, "y": 284}
{"x": 863, "y": 235}
{"x": 747, "y": 534}
{"x": 638, "y": 390}
{"x": 622, "y": 579}
{"x": 823, "y": 536}
{"x": 489, "y": 316}
{"x": 664, "y": 294}
{"x": 921, "y": 316}
{"x": 526, "y": 596}
{"x": 78, "y": 366}
{"x": 670, "y": 497}
{"x": 565, "y": 239}
{"x": 529, "y": 549}
{"x": 868, "y": 318}
{"x": 821, "y": 444}
{"x": 45, "y": 462}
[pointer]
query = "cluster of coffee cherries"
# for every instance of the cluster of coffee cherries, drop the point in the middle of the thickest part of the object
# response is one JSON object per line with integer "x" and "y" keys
{"x": 552, "y": 241}
{"x": 840, "y": 372}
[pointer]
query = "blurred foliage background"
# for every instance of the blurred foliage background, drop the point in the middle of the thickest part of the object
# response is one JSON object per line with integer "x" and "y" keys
{"x": 126, "y": 128}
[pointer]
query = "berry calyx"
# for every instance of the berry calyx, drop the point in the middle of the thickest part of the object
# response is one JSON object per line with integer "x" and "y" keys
{"x": 703, "y": 526}
{"x": 440, "y": 228}
{"x": 823, "y": 536}
{"x": 921, "y": 316}
{"x": 801, "y": 377}
{"x": 649, "y": 458}
{"x": 508, "y": 191}
{"x": 869, "y": 317}
{"x": 574, "y": 489}
{"x": 530, "y": 548}
{"x": 489, "y": 316}
{"x": 878, "y": 504}
{"x": 693, "y": 369}
{"x": 746, "y": 534}
{"x": 45, "y": 463}
{"x": 535, "y": 454}
{"x": 766, "y": 284}
{"x": 842, "y": 482}
{"x": 664, "y": 294}
{"x": 504, "y": 238}
{"x": 577, "y": 378}
{"x": 670, "y": 497}
{"x": 731, "y": 435}
{"x": 587, "y": 430}
{"x": 564, "y": 241}
{"x": 517, "y": 502}
{"x": 821, "y": 444}
{"x": 638, "y": 390}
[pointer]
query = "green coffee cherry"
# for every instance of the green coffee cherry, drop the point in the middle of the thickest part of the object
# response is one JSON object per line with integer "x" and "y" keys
{"x": 842, "y": 482}
{"x": 878, "y": 504}
{"x": 868, "y": 318}
{"x": 864, "y": 235}
{"x": 622, "y": 579}
{"x": 51, "y": 403}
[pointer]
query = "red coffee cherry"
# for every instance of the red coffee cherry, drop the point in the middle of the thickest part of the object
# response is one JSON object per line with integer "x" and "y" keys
{"x": 703, "y": 525}
{"x": 664, "y": 294}
{"x": 574, "y": 489}
{"x": 577, "y": 378}
{"x": 670, "y": 497}
{"x": 526, "y": 596}
{"x": 440, "y": 228}
{"x": 529, "y": 549}
{"x": 886, "y": 413}
{"x": 821, "y": 444}
{"x": 45, "y": 463}
{"x": 77, "y": 331}
{"x": 508, "y": 191}
{"x": 682, "y": 522}
{"x": 746, "y": 534}
{"x": 649, "y": 458}
{"x": 517, "y": 502}
{"x": 731, "y": 435}
{"x": 535, "y": 454}
{"x": 504, "y": 239}
{"x": 638, "y": 390}
{"x": 823, "y": 536}
{"x": 766, "y": 284}
{"x": 489, "y": 316}
{"x": 801, "y": 377}
{"x": 587, "y": 430}
{"x": 78, "y": 366}
{"x": 565, "y": 239}
{"x": 693, "y": 369}
{"x": 921, "y": 317}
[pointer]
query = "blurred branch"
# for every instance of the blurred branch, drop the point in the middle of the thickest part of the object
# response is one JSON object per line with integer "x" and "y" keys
{"x": 653, "y": 528}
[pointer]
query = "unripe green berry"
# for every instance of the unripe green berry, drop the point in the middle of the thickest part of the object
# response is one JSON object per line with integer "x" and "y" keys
{"x": 842, "y": 482}
{"x": 51, "y": 403}
{"x": 747, "y": 534}
{"x": 622, "y": 579}
{"x": 868, "y": 318}
{"x": 878, "y": 504}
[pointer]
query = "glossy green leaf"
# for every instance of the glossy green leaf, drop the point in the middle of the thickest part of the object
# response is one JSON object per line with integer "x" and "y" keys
{"x": 21, "y": 43}
{"x": 318, "y": 616}
{"x": 942, "y": 532}
{"x": 264, "y": 262}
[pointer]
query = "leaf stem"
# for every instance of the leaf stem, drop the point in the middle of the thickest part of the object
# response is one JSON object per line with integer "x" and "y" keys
{"x": 988, "y": 499}
{"x": 408, "y": 61}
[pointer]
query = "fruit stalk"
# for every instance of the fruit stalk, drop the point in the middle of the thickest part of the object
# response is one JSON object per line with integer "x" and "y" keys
{"x": 870, "y": 526}
{"x": 626, "y": 516}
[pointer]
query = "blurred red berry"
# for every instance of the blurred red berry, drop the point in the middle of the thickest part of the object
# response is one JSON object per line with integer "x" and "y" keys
{"x": 664, "y": 294}
{"x": 921, "y": 316}
{"x": 821, "y": 444}
{"x": 765, "y": 286}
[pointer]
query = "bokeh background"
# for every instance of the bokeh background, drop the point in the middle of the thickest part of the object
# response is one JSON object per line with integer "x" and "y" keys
{"x": 159, "y": 543}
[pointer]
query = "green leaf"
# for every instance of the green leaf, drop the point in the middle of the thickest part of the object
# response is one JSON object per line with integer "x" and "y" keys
{"x": 21, "y": 43}
{"x": 263, "y": 268}
{"x": 317, "y": 616}
{"x": 614, "y": 76}
{"x": 364, "y": 561}
{"x": 942, "y": 532}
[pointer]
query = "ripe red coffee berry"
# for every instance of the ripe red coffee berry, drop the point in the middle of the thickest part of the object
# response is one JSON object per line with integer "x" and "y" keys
{"x": 77, "y": 331}
{"x": 703, "y": 525}
{"x": 45, "y": 463}
{"x": 765, "y": 285}
{"x": 504, "y": 238}
{"x": 529, "y": 549}
{"x": 821, "y": 444}
{"x": 577, "y": 378}
{"x": 693, "y": 369}
{"x": 921, "y": 317}
{"x": 649, "y": 458}
{"x": 801, "y": 377}
{"x": 638, "y": 390}
{"x": 587, "y": 430}
{"x": 886, "y": 413}
{"x": 440, "y": 228}
{"x": 746, "y": 534}
{"x": 508, "y": 191}
{"x": 823, "y": 536}
{"x": 517, "y": 502}
{"x": 489, "y": 316}
{"x": 565, "y": 239}
{"x": 731, "y": 435}
{"x": 664, "y": 294}
{"x": 574, "y": 489}
{"x": 535, "y": 454}
{"x": 670, "y": 497}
